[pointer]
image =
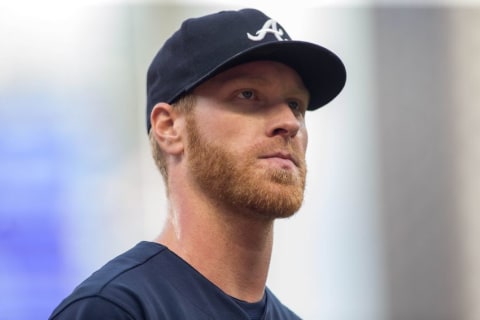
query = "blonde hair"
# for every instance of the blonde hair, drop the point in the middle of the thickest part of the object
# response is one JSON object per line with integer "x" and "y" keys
{"x": 183, "y": 105}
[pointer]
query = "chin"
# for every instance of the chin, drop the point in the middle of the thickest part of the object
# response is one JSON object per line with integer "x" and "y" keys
{"x": 274, "y": 202}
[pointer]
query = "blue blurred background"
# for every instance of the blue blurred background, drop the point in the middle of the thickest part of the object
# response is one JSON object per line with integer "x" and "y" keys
{"x": 390, "y": 226}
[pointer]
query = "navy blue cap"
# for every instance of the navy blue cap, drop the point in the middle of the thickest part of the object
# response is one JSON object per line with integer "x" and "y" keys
{"x": 208, "y": 45}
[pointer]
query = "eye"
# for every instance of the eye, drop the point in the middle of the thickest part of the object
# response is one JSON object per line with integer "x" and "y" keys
{"x": 294, "y": 105}
{"x": 246, "y": 94}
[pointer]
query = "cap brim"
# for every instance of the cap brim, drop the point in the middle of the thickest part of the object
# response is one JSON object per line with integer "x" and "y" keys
{"x": 322, "y": 72}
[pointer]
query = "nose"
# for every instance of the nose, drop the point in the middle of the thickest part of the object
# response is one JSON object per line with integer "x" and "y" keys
{"x": 283, "y": 122}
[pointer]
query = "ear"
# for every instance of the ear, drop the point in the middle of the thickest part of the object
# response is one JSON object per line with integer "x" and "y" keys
{"x": 167, "y": 126}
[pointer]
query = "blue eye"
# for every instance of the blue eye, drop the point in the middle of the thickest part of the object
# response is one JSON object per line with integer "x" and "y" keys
{"x": 247, "y": 94}
{"x": 294, "y": 105}
{"x": 297, "y": 107}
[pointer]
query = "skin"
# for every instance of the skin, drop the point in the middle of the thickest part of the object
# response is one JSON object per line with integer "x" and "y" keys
{"x": 254, "y": 113}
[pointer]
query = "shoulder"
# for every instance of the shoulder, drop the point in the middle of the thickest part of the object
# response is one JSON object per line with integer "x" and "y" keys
{"x": 92, "y": 307}
{"x": 119, "y": 287}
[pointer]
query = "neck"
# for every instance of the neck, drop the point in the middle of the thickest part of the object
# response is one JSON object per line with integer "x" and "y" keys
{"x": 231, "y": 249}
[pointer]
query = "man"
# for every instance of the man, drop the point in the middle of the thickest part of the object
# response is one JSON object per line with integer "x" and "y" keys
{"x": 226, "y": 101}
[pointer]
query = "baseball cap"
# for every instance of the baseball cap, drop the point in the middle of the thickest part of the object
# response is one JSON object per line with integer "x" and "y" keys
{"x": 207, "y": 45}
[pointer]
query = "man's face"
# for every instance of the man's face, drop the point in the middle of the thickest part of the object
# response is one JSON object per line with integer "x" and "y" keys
{"x": 247, "y": 139}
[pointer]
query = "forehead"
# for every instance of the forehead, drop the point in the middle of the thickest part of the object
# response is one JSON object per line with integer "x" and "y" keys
{"x": 261, "y": 72}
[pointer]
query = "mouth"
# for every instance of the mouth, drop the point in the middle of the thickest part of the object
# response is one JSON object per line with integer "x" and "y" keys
{"x": 284, "y": 158}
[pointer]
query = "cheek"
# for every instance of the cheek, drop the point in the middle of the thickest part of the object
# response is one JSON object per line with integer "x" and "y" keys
{"x": 232, "y": 131}
{"x": 213, "y": 123}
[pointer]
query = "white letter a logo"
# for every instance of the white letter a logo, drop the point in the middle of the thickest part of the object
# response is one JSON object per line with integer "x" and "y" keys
{"x": 269, "y": 27}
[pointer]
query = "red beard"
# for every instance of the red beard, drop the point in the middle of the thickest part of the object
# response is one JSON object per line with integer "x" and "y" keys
{"x": 236, "y": 181}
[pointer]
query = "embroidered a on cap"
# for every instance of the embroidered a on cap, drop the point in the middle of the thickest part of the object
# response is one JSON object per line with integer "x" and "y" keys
{"x": 270, "y": 26}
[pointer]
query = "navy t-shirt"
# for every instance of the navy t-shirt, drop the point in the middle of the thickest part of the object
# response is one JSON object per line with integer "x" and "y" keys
{"x": 151, "y": 282}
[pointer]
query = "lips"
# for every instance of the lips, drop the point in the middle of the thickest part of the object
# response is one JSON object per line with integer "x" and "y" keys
{"x": 282, "y": 155}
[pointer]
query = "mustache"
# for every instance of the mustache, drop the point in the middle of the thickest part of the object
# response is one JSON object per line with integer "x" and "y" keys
{"x": 280, "y": 148}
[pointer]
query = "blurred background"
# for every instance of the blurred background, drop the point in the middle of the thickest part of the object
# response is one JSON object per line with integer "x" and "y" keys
{"x": 390, "y": 227}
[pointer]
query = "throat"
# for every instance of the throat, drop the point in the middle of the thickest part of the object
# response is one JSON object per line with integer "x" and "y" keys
{"x": 230, "y": 250}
